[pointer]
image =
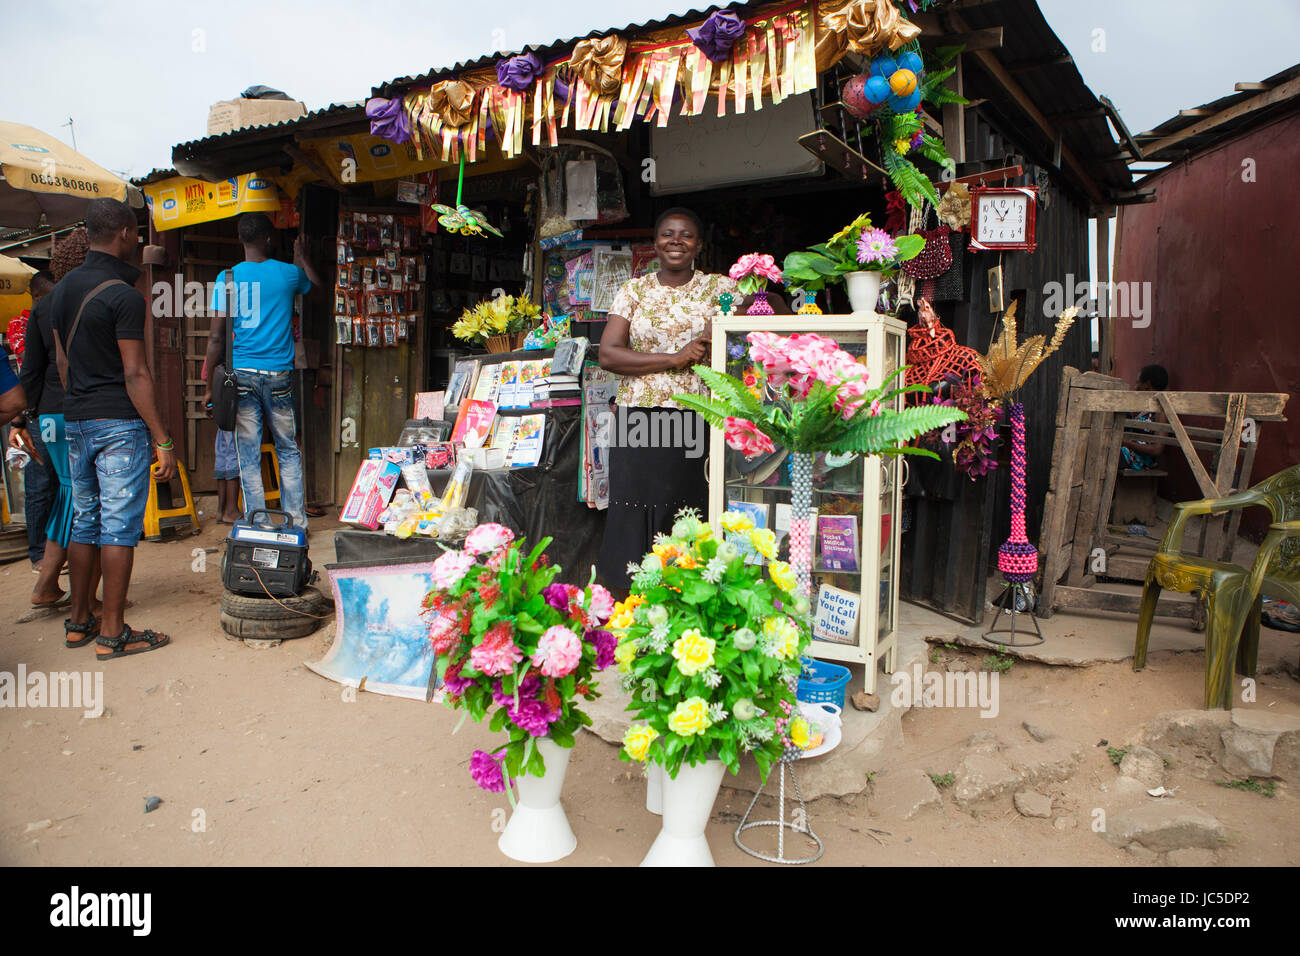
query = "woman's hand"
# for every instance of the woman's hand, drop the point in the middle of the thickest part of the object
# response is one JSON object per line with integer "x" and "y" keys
{"x": 693, "y": 353}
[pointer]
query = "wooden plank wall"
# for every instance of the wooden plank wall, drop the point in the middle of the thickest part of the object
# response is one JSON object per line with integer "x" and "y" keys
{"x": 954, "y": 519}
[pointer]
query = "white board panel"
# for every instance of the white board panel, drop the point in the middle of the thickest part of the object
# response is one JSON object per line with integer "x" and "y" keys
{"x": 705, "y": 152}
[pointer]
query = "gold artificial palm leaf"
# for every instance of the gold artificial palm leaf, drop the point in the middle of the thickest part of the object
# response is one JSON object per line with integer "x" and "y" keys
{"x": 1007, "y": 366}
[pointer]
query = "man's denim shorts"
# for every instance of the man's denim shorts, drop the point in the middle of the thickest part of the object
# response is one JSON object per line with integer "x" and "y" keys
{"x": 109, "y": 459}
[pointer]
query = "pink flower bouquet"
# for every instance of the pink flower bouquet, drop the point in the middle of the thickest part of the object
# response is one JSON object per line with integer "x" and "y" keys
{"x": 823, "y": 402}
{"x": 753, "y": 270}
{"x": 514, "y": 644}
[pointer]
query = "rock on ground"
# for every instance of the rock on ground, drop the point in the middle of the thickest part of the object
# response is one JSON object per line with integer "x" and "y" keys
{"x": 982, "y": 777}
{"x": 1037, "y": 731}
{"x": 1031, "y": 803}
{"x": 1262, "y": 744}
{"x": 1163, "y": 825}
{"x": 1144, "y": 764}
{"x": 904, "y": 793}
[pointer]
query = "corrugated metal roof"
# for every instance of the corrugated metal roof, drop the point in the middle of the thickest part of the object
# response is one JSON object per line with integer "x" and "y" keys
{"x": 334, "y": 110}
{"x": 263, "y": 147}
{"x": 1280, "y": 94}
{"x": 1040, "y": 64}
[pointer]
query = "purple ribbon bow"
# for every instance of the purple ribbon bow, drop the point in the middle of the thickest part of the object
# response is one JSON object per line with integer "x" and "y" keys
{"x": 519, "y": 72}
{"x": 388, "y": 119}
{"x": 718, "y": 34}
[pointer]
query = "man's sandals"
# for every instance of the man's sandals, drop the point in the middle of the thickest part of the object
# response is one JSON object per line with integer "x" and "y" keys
{"x": 88, "y": 631}
{"x": 117, "y": 646}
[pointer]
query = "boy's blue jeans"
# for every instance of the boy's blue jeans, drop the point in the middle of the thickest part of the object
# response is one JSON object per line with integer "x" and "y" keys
{"x": 267, "y": 397}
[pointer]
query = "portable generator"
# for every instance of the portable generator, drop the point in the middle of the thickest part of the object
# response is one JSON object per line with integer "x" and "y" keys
{"x": 265, "y": 556}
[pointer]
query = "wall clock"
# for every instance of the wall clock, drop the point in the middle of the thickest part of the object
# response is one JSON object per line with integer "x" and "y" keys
{"x": 1002, "y": 218}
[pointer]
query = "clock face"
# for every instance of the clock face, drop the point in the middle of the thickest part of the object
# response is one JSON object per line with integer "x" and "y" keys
{"x": 1003, "y": 218}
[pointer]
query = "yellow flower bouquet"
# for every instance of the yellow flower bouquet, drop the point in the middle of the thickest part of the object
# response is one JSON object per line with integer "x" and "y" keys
{"x": 708, "y": 647}
{"x": 499, "y": 324}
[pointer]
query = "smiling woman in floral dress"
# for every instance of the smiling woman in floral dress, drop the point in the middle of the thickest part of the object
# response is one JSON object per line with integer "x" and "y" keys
{"x": 657, "y": 328}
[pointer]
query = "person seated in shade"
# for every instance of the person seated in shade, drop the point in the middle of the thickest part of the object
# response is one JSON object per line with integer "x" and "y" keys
{"x": 1140, "y": 455}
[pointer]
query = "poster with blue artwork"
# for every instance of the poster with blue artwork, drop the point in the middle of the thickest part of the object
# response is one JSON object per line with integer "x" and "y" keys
{"x": 380, "y": 636}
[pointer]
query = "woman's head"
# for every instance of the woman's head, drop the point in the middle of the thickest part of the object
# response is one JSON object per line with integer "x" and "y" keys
{"x": 679, "y": 233}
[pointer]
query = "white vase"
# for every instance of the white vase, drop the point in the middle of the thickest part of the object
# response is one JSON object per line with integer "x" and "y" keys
{"x": 538, "y": 831}
{"x": 863, "y": 289}
{"x": 654, "y": 788}
{"x": 688, "y": 803}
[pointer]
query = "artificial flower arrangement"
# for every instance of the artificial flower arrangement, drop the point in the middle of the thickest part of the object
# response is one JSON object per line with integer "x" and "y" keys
{"x": 856, "y": 248}
{"x": 822, "y": 402}
{"x": 514, "y": 643}
{"x": 753, "y": 271}
{"x": 974, "y": 441}
{"x": 506, "y": 315}
{"x": 709, "y": 648}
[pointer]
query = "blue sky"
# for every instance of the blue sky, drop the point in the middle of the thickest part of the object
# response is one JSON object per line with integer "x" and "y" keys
{"x": 138, "y": 77}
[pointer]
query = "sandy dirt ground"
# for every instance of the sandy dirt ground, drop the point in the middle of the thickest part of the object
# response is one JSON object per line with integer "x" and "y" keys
{"x": 258, "y": 761}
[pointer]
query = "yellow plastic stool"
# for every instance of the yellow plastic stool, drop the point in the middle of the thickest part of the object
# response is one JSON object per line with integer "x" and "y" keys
{"x": 155, "y": 516}
{"x": 270, "y": 478}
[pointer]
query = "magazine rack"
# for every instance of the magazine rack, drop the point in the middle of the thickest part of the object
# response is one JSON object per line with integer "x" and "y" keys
{"x": 867, "y": 490}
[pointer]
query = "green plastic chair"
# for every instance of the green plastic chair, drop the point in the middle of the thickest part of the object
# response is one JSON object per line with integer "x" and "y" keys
{"x": 1231, "y": 593}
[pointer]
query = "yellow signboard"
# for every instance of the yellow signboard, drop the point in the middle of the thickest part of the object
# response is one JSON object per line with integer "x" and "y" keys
{"x": 182, "y": 201}
{"x": 361, "y": 158}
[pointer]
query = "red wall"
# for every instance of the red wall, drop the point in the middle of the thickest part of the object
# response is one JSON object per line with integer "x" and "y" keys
{"x": 1223, "y": 259}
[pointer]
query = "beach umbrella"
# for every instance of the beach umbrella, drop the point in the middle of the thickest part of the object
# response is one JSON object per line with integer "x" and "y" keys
{"x": 44, "y": 183}
{"x": 14, "y": 276}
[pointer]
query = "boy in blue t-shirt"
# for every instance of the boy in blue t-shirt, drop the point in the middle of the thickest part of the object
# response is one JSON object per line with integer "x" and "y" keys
{"x": 257, "y": 296}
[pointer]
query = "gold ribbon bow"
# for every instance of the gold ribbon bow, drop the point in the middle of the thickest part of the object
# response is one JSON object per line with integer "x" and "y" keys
{"x": 865, "y": 27}
{"x": 599, "y": 63}
{"x": 453, "y": 102}
{"x": 954, "y": 208}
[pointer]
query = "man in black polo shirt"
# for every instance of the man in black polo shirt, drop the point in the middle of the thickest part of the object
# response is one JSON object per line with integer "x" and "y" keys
{"x": 110, "y": 414}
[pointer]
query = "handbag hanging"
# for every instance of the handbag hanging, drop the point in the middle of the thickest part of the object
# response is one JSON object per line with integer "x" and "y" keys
{"x": 935, "y": 258}
{"x": 951, "y": 287}
{"x": 225, "y": 388}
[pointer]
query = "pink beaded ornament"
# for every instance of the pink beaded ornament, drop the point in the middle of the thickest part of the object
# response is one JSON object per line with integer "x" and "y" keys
{"x": 1017, "y": 558}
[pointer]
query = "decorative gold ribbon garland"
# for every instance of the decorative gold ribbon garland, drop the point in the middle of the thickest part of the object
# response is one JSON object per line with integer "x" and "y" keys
{"x": 783, "y": 50}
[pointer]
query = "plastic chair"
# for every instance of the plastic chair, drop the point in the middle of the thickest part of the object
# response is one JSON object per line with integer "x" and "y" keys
{"x": 1230, "y": 592}
{"x": 154, "y": 516}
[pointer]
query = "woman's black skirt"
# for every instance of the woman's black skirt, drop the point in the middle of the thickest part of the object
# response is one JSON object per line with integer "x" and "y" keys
{"x": 653, "y": 472}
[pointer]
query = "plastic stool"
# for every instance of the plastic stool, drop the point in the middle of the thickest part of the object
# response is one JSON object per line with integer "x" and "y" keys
{"x": 270, "y": 478}
{"x": 154, "y": 516}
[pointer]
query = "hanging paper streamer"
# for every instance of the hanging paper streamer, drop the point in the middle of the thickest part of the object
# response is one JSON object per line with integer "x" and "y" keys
{"x": 1017, "y": 558}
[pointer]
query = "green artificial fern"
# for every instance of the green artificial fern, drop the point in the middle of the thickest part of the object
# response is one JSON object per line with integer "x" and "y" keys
{"x": 911, "y": 183}
{"x": 814, "y": 423}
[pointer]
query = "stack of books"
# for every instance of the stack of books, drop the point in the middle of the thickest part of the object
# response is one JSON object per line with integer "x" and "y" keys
{"x": 555, "y": 390}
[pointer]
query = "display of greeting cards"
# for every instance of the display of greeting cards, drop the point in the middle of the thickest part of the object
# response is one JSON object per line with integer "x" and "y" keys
{"x": 837, "y": 537}
{"x": 462, "y": 379}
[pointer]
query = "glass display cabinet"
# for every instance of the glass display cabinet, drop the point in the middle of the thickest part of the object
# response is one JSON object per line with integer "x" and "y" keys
{"x": 856, "y": 501}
